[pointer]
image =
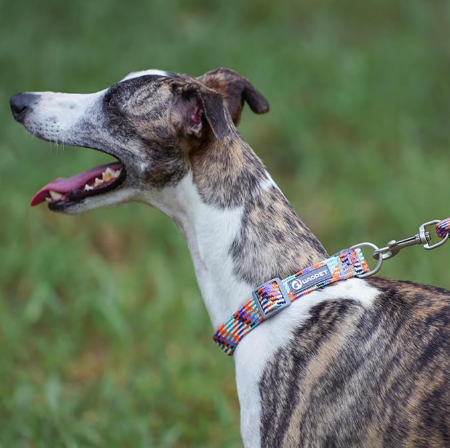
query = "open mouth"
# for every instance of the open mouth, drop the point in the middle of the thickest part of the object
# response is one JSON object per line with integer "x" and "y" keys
{"x": 63, "y": 192}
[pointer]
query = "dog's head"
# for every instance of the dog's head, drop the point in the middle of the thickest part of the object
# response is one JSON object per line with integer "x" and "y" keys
{"x": 151, "y": 122}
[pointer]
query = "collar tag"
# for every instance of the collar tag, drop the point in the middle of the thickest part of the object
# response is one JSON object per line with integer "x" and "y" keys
{"x": 310, "y": 279}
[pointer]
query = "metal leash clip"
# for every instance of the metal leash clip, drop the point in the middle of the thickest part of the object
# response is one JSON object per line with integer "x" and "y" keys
{"x": 394, "y": 247}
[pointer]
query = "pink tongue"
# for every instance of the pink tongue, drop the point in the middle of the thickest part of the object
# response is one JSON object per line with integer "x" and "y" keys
{"x": 62, "y": 185}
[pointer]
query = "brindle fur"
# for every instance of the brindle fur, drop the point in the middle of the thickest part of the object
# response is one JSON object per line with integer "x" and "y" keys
{"x": 356, "y": 377}
{"x": 351, "y": 376}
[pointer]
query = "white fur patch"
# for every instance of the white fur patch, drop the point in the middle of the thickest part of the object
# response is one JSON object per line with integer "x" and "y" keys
{"x": 145, "y": 73}
{"x": 114, "y": 197}
{"x": 209, "y": 232}
{"x": 268, "y": 183}
{"x": 56, "y": 115}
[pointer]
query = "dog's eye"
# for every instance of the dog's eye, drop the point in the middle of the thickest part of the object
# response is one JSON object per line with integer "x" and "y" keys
{"x": 110, "y": 102}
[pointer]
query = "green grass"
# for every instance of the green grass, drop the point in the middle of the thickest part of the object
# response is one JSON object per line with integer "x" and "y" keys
{"x": 104, "y": 337}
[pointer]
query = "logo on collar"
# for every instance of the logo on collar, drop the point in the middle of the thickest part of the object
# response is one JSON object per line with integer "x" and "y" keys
{"x": 309, "y": 279}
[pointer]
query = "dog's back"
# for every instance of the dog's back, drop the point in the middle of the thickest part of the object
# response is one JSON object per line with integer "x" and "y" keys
{"x": 356, "y": 377}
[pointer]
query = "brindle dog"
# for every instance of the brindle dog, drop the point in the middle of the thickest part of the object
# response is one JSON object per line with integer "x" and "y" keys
{"x": 362, "y": 363}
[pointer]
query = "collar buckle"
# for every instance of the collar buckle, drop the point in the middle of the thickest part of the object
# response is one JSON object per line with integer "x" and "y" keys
{"x": 270, "y": 298}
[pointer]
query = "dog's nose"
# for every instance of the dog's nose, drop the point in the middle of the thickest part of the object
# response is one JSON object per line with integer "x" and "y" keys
{"x": 20, "y": 104}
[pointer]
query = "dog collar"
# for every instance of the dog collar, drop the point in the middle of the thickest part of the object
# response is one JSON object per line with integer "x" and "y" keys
{"x": 276, "y": 294}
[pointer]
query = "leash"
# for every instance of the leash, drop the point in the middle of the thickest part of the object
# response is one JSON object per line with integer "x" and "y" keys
{"x": 442, "y": 228}
{"x": 276, "y": 294}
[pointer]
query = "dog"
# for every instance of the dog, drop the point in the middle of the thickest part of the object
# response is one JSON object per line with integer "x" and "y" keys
{"x": 360, "y": 363}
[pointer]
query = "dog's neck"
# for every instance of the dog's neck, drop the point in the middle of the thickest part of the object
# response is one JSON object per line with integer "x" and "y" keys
{"x": 240, "y": 228}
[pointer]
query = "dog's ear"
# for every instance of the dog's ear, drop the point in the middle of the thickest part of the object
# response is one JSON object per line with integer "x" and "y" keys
{"x": 196, "y": 106}
{"x": 235, "y": 89}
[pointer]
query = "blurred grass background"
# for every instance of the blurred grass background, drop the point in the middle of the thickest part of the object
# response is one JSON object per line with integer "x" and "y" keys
{"x": 100, "y": 347}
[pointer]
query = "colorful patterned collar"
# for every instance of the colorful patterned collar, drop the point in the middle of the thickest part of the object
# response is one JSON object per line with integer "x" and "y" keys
{"x": 276, "y": 294}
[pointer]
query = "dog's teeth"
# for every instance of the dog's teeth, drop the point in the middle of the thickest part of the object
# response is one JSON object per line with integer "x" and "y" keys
{"x": 98, "y": 182}
{"x": 88, "y": 188}
{"x": 108, "y": 174}
{"x": 54, "y": 195}
{"x": 48, "y": 199}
